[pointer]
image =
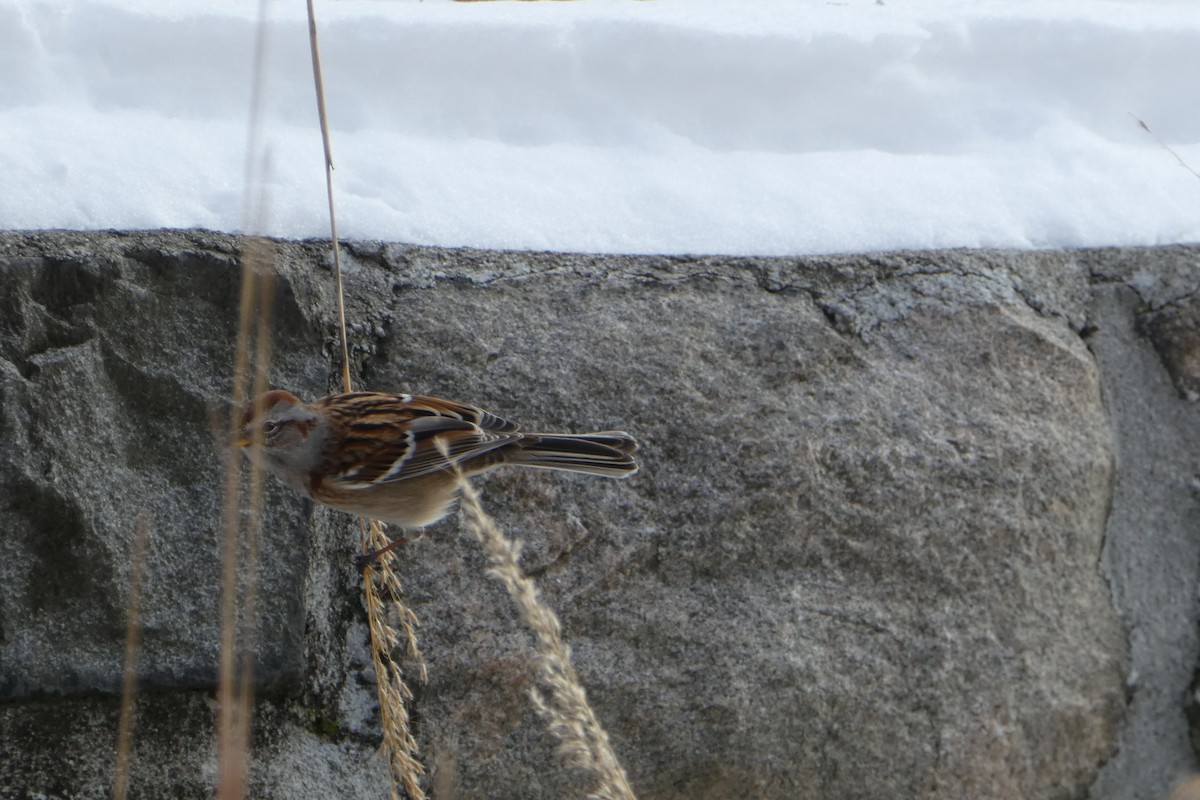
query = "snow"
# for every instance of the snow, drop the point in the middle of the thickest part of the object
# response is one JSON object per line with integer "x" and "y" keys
{"x": 764, "y": 127}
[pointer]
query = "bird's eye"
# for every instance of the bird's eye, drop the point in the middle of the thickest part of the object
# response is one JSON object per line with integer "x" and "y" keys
{"x": 270, "y": 426}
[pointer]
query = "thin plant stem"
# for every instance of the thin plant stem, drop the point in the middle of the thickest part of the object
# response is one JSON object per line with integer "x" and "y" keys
{"x": 259, "y": 258}
{"x": 1142, "y": 124}
{"x": 379, "y": 580}
{"x": 319, "y": 81}
{"x": 231, "y": 760}
{"x": 394, "y": 695}
{"x": 133, "y": 648}
{"x": 232, "y": 700}
{"x": 561, "y": 701}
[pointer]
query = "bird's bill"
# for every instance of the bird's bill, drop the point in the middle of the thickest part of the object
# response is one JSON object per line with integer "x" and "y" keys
{"x": 242, "y": 441}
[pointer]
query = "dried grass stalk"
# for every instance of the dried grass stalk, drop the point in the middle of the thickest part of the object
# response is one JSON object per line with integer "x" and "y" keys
{"x": 235, "y": 688}
{"x": 133, "y": 649}
{"x": 1142, "y": 124}
{"x": 561, "y": 700}
{"x": 380, "y": 580}
{"x": 1187, "y": 790}
{"x": 240, "y": 546}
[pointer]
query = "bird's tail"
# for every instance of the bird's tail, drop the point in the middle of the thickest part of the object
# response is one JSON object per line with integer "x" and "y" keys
{"x": 607, "y": 453}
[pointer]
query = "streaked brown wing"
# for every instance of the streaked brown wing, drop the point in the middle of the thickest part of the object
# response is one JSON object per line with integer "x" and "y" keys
{"x": 394, "y": 437}
{"x": 448, "y": 408}
{"x": 463, "y": 441}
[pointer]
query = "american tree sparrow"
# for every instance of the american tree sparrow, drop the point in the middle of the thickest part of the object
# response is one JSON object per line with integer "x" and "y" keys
{"x": 381, "y": 455}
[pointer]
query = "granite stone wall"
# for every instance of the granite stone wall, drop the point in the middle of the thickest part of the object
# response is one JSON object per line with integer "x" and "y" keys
{"x": 908, "y": 525}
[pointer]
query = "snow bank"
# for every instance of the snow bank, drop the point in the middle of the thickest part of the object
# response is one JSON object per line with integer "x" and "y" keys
{"x": 752, "y": 127}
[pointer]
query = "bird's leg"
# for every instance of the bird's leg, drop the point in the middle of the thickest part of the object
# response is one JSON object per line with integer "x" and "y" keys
{"x": 364, "y": 560}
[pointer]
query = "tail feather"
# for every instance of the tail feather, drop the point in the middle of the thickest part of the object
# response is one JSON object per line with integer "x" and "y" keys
{"x": 607, "y": 453}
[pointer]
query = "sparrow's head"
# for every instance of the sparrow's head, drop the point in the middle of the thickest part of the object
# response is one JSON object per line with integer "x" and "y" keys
{"x": 288, "y": 429}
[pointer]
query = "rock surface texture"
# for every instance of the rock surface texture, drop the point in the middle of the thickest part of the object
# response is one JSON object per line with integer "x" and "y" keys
{"x": 912, "y": 525}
